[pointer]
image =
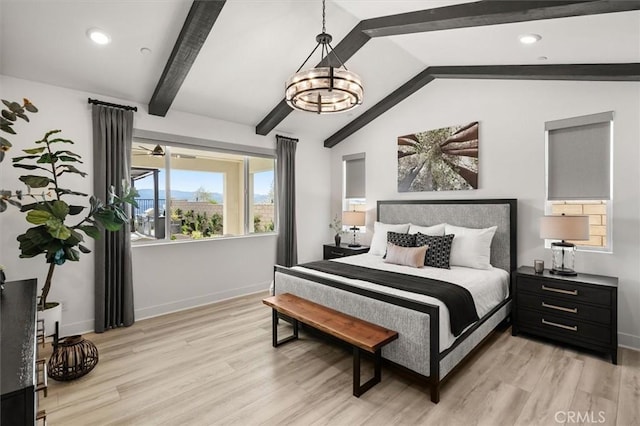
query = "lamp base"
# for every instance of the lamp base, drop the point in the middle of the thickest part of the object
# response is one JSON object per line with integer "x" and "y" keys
{"x": 566, "y": 272}
{"x": 355, "y": 240}
{"x": 563, "y": 256}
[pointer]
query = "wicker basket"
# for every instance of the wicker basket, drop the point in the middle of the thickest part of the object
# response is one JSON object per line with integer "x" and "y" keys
{"x": 72, "y": 357}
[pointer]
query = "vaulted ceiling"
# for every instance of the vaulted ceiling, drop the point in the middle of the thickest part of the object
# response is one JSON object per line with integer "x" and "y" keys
{"x": 238, "y": 75}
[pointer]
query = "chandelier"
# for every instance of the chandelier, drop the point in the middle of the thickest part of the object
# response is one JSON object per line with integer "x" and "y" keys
{"x": 324, "y": 89}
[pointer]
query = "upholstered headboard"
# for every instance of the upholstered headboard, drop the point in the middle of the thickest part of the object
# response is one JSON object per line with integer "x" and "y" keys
{"x": 502, "y": 213}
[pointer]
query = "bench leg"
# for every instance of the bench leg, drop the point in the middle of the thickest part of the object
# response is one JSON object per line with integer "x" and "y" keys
{"x": 274, "y": 330}
{"x": 377, "y": 361}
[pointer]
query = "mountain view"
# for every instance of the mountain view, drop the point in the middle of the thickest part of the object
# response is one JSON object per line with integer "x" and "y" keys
{"x": 192, "y": 195}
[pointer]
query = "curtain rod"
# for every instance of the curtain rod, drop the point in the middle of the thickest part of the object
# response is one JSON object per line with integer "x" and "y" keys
{"x": 126, "y": 107}
{"x": 287, "y": 138}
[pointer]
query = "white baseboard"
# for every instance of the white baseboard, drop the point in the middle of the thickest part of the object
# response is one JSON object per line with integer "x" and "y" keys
{"x": 79, "y": 327}
{"x": 629, "y": 341}
{"x": 194, "y": 302}
{"x": 87, "y": 326}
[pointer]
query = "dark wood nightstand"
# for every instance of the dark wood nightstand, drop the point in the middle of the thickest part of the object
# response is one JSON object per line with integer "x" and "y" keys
{"x": 331, "y": 251}
{"x": 581, "y": 310}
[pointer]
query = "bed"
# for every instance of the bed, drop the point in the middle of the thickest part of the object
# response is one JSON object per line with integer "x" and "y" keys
{"x": 426, "y": 347}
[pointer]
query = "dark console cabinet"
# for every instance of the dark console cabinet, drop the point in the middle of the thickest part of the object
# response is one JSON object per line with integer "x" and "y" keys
{"x": 17, "y": 343}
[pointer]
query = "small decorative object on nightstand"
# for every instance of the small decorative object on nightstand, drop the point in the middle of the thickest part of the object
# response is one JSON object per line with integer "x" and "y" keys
{"x": 332, "y": 252}
{"x": 582, "y": 311}
{"x": 538, "y": 266}
{"x": 336, "y": 226}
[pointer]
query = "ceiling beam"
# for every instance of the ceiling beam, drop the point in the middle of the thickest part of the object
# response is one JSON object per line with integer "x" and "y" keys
{"x": 580, "y": 72}
{"x": 575, "y": 72}
{"x": 490, "y": 12}
{"x": 196, "y": 28}
{"x": 397, "y": 96}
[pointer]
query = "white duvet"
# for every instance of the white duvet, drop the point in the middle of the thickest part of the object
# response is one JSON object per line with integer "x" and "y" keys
{"x": 488, "y": 287}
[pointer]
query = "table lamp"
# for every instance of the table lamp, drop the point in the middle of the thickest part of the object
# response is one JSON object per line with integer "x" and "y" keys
{"x": 564, "y": 228}
{"x": 353, "y": 219}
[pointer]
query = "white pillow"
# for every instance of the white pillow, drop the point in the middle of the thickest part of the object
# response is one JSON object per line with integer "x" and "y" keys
{"x": 435, "y": 230}
{"x": 471, "y": 247}
{"x": 379, "y": 239}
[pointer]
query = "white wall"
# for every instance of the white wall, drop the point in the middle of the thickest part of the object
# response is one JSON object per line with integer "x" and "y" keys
{"x": 166, "y": 276}
{"x": 512, "y": 162}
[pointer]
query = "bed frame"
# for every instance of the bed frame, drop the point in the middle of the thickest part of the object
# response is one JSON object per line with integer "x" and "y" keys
{"x": 480, "y": 213}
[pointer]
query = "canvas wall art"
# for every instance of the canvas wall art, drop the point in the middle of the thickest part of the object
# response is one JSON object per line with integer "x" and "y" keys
{"x": 443, "y": 159}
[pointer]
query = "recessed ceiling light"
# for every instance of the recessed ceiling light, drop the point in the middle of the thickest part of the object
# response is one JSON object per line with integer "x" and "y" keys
{"x": 98, "y": 36}
{"x": 542, "y": 58}
{"x": 529, "y": 38}
{"x": 145, "y": 50}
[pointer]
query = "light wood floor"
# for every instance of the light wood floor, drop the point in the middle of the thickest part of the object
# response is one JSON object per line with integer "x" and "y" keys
{"x": 215, "y": 365}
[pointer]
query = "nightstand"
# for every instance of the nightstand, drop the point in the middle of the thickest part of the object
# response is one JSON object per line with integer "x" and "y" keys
{"x": 331, "y": 251}
{"x": 581, "y": 310}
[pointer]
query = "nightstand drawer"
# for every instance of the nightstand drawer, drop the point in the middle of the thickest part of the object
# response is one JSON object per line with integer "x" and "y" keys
{"x": 566, "y": 308}
{"x": 567, "y": 290}
{"x": 331, "y": 251}
{"x": 551, "y": 324}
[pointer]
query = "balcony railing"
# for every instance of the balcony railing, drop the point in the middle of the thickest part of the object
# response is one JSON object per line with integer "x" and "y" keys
{"x": 145, "y": 204}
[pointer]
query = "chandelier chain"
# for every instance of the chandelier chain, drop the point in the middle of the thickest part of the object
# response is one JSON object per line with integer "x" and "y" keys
{"x": 324, "y": 30}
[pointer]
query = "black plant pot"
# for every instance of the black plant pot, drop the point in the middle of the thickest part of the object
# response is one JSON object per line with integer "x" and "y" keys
{"x": 337, "y": 239}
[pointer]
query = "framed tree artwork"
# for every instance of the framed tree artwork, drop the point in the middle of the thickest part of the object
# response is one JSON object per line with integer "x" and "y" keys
{"x": 444, "y": 159}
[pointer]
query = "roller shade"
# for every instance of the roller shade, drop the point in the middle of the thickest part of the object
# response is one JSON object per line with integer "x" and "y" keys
{"x": 579, "y": 158}
{"x": 354, "y": 176}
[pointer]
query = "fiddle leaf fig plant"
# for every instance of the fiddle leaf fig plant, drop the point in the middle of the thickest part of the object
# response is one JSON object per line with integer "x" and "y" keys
{"x": 8, "y": 118}
{"x": 56, "y": 234}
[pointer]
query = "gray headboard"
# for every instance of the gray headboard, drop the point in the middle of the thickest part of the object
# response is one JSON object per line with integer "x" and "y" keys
{"x": 470, "y": 213}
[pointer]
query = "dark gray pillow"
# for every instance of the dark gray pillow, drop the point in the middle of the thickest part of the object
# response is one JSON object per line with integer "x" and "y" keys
{"x": 439, "y": 249}
{"x": 402, "y": 240}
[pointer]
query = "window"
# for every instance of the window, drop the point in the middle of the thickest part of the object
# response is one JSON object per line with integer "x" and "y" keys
{"x": 354, "y": 183}
{"x": 261, "y": 195}
{"x": 579, "y": 169}
{"x": 192, "y": 193}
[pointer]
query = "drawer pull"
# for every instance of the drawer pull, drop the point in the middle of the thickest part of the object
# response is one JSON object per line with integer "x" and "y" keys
{"x": 337, "y": 253}
{"x": 559, "y": 290}
{"x": 560, "y": 308}
{"x": 555, "y": 324}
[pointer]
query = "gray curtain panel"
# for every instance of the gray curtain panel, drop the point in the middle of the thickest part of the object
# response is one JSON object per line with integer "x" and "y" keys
{"x": 112, "y": 131}
{"x": 287, "y": 248}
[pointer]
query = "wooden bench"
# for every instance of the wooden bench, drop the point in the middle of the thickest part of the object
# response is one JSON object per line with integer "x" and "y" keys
{"x": 362, "y": 335}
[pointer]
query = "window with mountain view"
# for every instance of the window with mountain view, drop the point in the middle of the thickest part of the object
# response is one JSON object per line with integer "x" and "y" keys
{"x": 194, "y": 193}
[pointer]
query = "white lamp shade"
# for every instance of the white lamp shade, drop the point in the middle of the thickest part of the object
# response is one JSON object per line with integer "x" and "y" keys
{"x": 564, "y": 227}
{"x": 353, "y": 218}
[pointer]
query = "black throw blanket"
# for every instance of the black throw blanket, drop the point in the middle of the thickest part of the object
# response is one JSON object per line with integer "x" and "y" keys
{"x": 462, "y": 310}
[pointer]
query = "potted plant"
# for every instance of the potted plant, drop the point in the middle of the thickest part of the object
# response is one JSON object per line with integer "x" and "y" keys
{"x": 336, "y": 226}
{"x": 56, "y": 234}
